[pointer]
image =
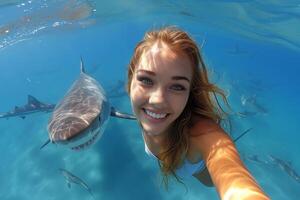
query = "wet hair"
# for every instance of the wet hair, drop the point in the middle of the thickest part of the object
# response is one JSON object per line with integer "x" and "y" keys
{"x": 202, "y": 101}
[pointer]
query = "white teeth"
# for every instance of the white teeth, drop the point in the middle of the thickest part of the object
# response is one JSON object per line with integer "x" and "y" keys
{"x": 154, "y": 115}
{"x": 86, "y": 144}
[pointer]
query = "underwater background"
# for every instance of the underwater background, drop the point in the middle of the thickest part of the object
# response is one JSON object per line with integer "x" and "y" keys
{"x": 252, "y": 50}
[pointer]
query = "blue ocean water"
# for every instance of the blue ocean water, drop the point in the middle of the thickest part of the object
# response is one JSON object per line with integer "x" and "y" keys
{"x": 251, "y": 48}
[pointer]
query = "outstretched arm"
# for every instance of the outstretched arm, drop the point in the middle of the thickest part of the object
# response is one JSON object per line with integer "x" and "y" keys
{"x": 229, "y": 175}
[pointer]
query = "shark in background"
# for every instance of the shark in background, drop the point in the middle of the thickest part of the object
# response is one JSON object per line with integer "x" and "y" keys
{"x": 33, "y": 106}
{"x": 79, "y": 119}
{"x": 273, "y": 161}
{"x": 237, "y": 50}
{"x": 253, "y": 102}
{"x": 256, "y": 159}
{"x": 118, "y": 90}
{"x": 286, "y": 167}
{"x": 73, "y": 179}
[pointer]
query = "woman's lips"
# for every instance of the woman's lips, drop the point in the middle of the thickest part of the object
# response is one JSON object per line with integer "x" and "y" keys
{"x": 155, "y": 116}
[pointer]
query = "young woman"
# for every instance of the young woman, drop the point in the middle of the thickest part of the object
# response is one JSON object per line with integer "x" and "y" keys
{"x": 173, "y": 101}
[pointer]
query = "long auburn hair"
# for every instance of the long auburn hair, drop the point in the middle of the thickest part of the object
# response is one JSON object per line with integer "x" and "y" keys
{"x": 202, "y": 99}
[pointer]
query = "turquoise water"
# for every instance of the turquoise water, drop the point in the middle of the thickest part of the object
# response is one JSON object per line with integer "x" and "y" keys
{"x": 252, "y": 50}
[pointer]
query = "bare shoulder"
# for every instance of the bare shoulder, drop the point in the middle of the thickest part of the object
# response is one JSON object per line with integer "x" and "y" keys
{"x": 206, "y": 136}
{"x": 206, "y": 128}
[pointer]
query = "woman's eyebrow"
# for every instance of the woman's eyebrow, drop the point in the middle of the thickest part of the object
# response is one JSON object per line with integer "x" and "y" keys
{"x": 180, "y": 78}
{"x": 153, "y": 74}
{"x": 146, "y": 71}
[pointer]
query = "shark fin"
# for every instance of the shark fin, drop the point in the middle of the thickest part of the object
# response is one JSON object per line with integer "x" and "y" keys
{"x": 33, "y": 101}
{"x": 47, "y": 142}
{"x": 118, "y": 114}
{"x": 82, "y": 70}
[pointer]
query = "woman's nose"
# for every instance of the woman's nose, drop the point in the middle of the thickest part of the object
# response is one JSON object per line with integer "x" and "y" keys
{"x": 158, "y": 97}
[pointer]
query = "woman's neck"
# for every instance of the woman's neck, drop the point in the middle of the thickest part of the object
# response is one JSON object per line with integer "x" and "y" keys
{"x": 155, "y": 143}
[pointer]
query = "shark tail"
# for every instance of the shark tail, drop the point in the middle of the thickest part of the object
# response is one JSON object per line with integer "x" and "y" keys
{"x": 88, "y": 189}
{"x": 92, "y": 195}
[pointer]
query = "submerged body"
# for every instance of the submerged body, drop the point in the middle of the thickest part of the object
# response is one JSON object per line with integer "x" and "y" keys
{"x": 187, "y": 169}
{"x": 181, "y": 122}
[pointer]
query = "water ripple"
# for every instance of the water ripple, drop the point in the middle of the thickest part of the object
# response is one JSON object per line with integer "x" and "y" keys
{"x": 34, "y": 17}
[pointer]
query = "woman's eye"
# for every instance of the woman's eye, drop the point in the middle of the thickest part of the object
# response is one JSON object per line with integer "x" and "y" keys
{"x": 145, "y": 80}
{"x": 178, "y": 87}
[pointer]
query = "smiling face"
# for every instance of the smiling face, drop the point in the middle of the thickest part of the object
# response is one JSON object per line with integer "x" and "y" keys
{"x": 160, "y": 88}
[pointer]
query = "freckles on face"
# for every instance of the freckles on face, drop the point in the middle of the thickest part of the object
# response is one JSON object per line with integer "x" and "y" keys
{"x": 160, "y": 88}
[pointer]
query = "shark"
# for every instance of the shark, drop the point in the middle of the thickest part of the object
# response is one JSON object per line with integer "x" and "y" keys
{"x": 256, "y": 159}
{"x": 117, "y": 90}
{"x": 71, "y": 178}
{"x": 246, "y": 113}
{"x": 33, "y": 106}
{"x": 79, "y": 119}
{"x": 237, "y": 50}
{"x": 286, "y": 167}
{"x": 252, "y": 101}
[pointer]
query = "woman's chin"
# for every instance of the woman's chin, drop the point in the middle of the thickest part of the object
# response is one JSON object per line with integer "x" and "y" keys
{"x": 153, "y": 131}
{"x": 150, "y": 131}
